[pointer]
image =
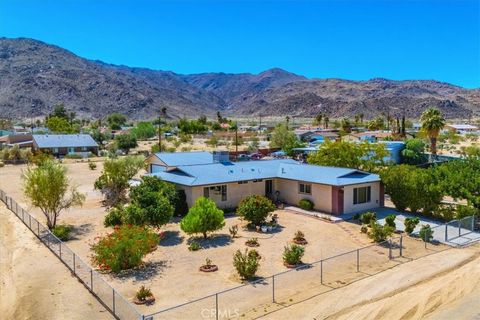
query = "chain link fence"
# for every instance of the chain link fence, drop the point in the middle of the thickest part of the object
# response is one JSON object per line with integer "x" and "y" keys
{"x": 256, "y": 298}
{"x": 112, "y": 300}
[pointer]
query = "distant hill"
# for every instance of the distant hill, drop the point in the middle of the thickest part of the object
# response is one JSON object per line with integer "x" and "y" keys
{"x": 35, "y": 76}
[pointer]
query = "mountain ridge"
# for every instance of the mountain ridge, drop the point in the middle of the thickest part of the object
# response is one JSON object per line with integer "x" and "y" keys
{"x": 34, "y": 76}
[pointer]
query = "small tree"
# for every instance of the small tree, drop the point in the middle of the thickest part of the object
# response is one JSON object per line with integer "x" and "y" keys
{"x": 126, "y": 142}
{"x": 411, "y": 224}
{"x": 246, "y": 263}
{"x": 113, "y": 182}
{"x": 426, "y": 233}
{"x": 48, "y": 188}
{"x": 255, "y": 209}
{"x": 202, "y": 218}
{"x": 368, "y": 217}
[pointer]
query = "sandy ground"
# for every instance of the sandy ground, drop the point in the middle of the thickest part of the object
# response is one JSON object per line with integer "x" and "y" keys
{"x": 413, "y": 290}
{"x": 172, "y": 266}
{"x": 34, "y": 284}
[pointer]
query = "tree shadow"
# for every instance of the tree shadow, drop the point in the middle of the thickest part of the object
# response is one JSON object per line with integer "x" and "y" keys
{"x": 213, "y": 241}
{"x": 145, "y": 272}
{"x": 80, "y": 230}
{"x": 171, "y": 238}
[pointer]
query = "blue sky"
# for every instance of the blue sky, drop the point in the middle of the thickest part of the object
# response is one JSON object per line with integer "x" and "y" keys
{"x": 356, "y": 40}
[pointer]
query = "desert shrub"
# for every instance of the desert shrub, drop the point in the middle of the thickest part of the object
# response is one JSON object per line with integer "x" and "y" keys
{"x": 379, "y": 233}
{"x": 202, "y": 218}
{"x": 113, "y": 218}
{"x": 390, "y": 221}
{"x": 368, "y": 217}
{"x": 299, "y": 235}
{"x": 233, "y": 230}
{"x": 410, "y": 224}
{"x": 306, "y": 204}
{"x": 194, "y": 246}
{"x": 62, "y": 232}
{"x": 124, "y": 248}
{"x": 246, "y": 263}
{"x": 364, "y": 229}
{"x": 92, "y": 165}
{"x": 292, "y": 254}
{"x": 255, "y": 209}
{"x": 252, "y": 242}
{"x": 143, "y": 293}
{"x": 426, "y": 233}
{"x": 2, "y": 164}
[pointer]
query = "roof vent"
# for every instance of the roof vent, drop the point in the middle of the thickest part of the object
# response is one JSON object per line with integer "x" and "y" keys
{"x": 283, "y": 170}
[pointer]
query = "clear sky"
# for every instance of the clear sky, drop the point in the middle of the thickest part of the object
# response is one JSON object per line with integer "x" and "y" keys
{"x": 358, "y": 40}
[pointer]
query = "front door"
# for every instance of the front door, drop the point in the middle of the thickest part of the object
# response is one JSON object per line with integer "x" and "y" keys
{"x": 268, "y": 188}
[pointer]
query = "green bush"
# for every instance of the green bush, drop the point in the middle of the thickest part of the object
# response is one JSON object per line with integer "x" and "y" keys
{"x": 92, "y": 165}
{"x": 390, "y": 221}
{"x": 426, "y": 233}
{"x": 368, "y": 217}
{"x": 246, "y": 263}
{"x": 62, "y": 232}
{"x": 2, "y": 164}
{"x": 379, "y": 233}
{"x": 306, "y": 204}
{"x": 292, "y": 254}
{"x": 255, "y": 209}
{"x": 143, "y": 293}
{"x": 465, "y": 211}
{"x": 113, "y": 218}
{"x": 410, "y": 224}
{"x": 194, "y": 246}
{"x": 364, "y": 229}
{"x": 73, "y": 156}
{"x": 124, "y": 248}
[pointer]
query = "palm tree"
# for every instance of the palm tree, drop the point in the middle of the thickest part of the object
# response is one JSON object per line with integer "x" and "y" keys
{"x": 432, "y": 122}
{"x": 318, "y": 119}
{"x": 287, "y": 120}
{"x": 326, "y": 119}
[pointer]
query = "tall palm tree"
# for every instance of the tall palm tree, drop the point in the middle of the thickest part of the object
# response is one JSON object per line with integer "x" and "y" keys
{"x": 287, "y": 120}
{"x": 326, "y": 119}
{"x": 432, "y": 122}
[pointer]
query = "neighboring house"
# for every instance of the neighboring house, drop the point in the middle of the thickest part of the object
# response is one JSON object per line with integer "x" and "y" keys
{"x": 395, "y": 149}
{"x": 5, "y": 133}
{"x": 60, "y": 145}
{"x": 461, "y": 128}
{"x": 370, "y": 136}
{"x": 20, "y": 140}
{"x": 332, "y": 190}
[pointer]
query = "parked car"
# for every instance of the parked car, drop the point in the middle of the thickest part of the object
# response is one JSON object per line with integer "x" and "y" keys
{"x": 243, "y": 157}
{"x": 256, "y": 156}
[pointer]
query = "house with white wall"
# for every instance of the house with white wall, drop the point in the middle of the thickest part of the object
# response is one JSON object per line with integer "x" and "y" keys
{"x": 332, "y": 190}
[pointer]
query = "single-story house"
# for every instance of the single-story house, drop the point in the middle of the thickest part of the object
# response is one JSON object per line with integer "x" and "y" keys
{"x": 461, "y": 128}
{"x": 332, "y": 190}
{"x": 60, "y": 145}
{"x": 370, "y": 136}
{"x": 20, "y": 140}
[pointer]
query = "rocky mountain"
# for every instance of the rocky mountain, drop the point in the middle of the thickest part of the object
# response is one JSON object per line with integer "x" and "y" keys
{"x": 35, "y": 76}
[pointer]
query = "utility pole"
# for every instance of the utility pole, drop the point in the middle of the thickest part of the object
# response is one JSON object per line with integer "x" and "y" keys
{"x": 236, "y": 141}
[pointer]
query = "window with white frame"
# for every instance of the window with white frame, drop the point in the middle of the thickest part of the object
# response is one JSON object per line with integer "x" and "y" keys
{"x": 362, "y": 195}
{"x": 304, "y": 188}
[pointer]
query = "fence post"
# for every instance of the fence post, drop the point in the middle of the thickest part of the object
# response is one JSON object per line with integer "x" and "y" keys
{"x": 113, "y": 301}
{"x": 74, "y": 264}
{"x": 273, "y": 288}
{"x": 358, "y": 260}
{"x": 38, "y": 228}
{"x": 401, "y": 245}
{"x": 29, "y": 221}
{"x": 425, "y": 239}
{"x": 91, "y": 280}
{"x": 459, "y": 228}
{"x": 321, "y": 271}
{"x": 446, "y": 232}
{"x": 472, "y": 223}
{"x": 390, "y": 249}
{"x": 60, "y": 249}
{"x": 216, "y": 306}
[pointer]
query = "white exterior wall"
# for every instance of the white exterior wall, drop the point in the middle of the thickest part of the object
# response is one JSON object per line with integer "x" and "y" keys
{"x": 289, "y": 192}
{"x": 349, "y": 207}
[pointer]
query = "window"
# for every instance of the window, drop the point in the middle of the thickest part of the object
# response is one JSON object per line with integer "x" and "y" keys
{"x": 362, "y": 195}
{"x": 224, "y": 193}
{"x": 206, "y": 192}
{"x": 216, "y": 191}
{"x": 305, "y": 188}
{"x": 84, "y": 148}
{"x": 242, "y": 182}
